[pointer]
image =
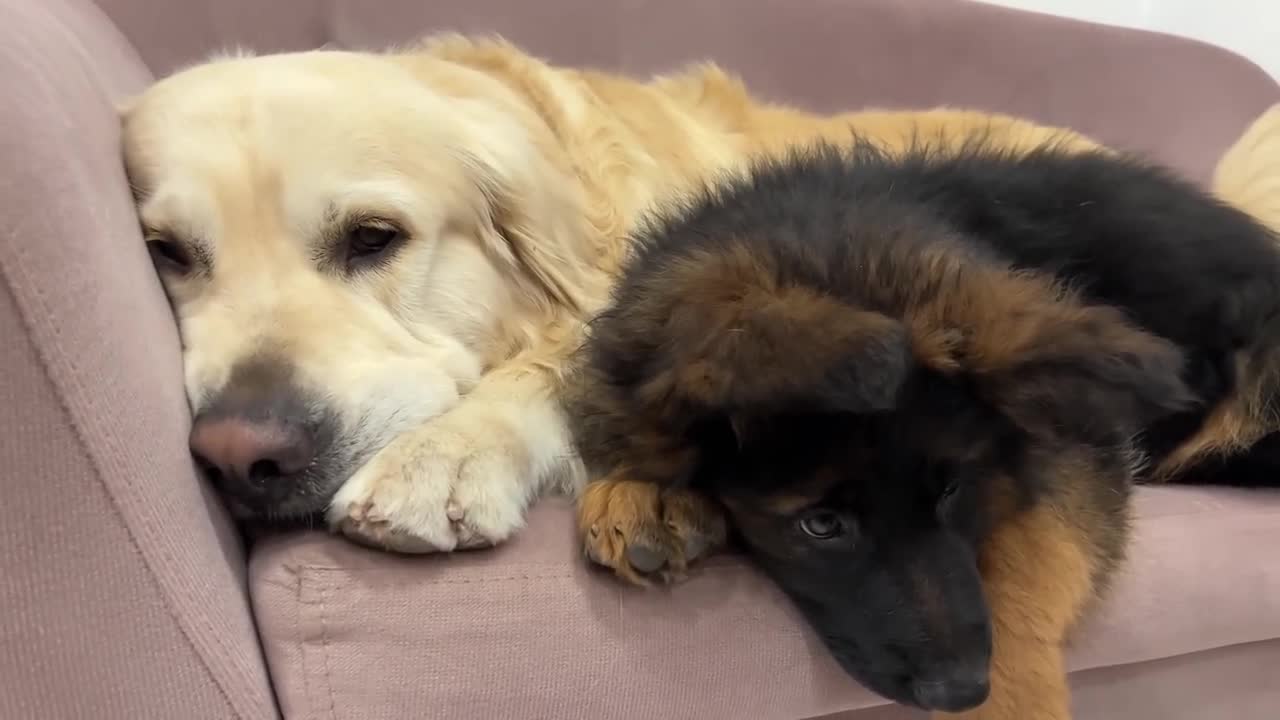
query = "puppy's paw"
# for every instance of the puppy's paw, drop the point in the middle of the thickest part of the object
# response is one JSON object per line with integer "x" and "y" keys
{"x": 642, "y": 532}
{"x": 461, "y": 481}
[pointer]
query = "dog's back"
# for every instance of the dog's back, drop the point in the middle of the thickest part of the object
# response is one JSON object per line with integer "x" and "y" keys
{"x": 1123, "y": 232}
{"x": 1127, "y": 233}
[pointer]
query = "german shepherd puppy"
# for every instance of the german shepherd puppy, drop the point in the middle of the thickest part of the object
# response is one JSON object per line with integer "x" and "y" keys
{"x": 922, "y": 386}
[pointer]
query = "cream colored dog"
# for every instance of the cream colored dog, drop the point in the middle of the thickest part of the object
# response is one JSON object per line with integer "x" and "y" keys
{"x": 380, "y": 262}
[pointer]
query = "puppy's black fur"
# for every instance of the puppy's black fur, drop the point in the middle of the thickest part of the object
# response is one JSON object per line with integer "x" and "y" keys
{"x": 922, "y": 386}
{"x": 1127, "y": 233}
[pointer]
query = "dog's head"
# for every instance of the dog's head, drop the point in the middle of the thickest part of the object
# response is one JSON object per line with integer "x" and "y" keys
{"x": 348, "y": 241}
{"x": 871, "y": 515}
{"x": 867, "y": 427}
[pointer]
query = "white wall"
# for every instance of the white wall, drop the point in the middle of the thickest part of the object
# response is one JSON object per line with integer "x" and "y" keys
{"x": 1248, "y": 27}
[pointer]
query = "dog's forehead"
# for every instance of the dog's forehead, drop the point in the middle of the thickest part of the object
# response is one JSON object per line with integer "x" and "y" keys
{"x": 807, "y": 492}
{"x": 280, "y": 101}
{"x": 887, "y": 458}
{"x": 259, "y": 122}
{"x": 783, "y": 477}
{"x": 205, "y": 131}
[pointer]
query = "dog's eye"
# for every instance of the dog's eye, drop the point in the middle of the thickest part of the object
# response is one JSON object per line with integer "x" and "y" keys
{"x": 170, "y": 255}
{"x": 822, "y": 525}
{"x": 947, "y": 497}
{"x": 370, "y": 240}
{"x": 952, "y": 486}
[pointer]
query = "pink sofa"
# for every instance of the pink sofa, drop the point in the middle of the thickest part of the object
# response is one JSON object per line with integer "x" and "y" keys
{"x": 126, "y": 593}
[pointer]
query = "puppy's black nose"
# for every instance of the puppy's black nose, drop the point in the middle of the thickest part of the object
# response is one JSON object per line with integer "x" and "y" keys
{"x": 961, "y": 688}
{"x": 252, "y": 451}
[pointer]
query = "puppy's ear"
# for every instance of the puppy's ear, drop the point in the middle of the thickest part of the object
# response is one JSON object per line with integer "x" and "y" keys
{"x": 736, "y": 346}
{"x": 1083, "y": 370}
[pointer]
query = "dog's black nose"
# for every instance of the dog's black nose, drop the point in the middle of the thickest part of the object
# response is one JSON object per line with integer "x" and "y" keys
{"x": 252, "y": 451}
{"x": 962, "y": 688}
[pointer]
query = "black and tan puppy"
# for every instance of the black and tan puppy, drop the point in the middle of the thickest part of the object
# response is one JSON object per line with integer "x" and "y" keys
{"x": 922, "y": 387}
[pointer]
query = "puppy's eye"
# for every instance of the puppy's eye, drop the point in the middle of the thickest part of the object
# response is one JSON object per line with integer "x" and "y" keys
{"x": 947, "y": 497}
{"x": 822, "y": 525}
{"x": 949, "y": 491}
{"x": 170, "y": 255}
{"x": 371, "y": 240}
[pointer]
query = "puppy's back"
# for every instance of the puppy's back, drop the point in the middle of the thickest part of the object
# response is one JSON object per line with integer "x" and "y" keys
{"x": 1179, "y": 262}
{"x": 786, "y": 249}
{"x": 1128, "y": 233}
{"x": 1125, "y": 232}
{"x": 821, "y": 281}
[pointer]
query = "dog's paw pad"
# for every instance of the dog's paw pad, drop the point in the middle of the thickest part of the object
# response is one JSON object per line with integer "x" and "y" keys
{"x": 361, "y": 513}
{"x": 649, "y": 538}
{"x": 695, "y": 545}
{"x": 696, "y": 522}
{"x": 646, "y": 559}
{"x": 377, "y": 534}
{"x": 469, "y": 538}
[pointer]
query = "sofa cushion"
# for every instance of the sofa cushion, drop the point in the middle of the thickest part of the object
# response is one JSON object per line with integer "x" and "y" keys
{"x": 530, "y": 630}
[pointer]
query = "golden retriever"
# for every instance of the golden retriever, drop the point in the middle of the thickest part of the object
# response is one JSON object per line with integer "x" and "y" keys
{"x": 380, "y": 263}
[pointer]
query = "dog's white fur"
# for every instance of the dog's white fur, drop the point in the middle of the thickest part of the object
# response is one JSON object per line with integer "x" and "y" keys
{"x": 516, "y": 183}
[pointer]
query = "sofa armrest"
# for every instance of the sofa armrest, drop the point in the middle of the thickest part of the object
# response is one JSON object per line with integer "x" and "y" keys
{"x": 122, "y": 583}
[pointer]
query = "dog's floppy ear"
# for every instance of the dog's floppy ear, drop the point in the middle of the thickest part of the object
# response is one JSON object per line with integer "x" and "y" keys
{"x": 794, "y": 351}
{"x": 715, "y": 335}
{"x": 537, "y": 216}
{"x": 537, "y": 213}
{"x": 1083, "y": 370}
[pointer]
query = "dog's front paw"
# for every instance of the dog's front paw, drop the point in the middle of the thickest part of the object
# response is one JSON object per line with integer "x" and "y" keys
{"x": 458, "y": 482}
{"x": 642, "y": 532}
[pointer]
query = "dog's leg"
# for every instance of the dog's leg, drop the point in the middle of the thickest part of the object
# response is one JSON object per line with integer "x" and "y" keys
{"x": 643, "y": 531}
{"x": 1037, "y": 578}
{"x": 465, "y": 478}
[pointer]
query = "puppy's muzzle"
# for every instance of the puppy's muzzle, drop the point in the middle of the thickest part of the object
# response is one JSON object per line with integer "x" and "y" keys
{"x": 959, "y": 688}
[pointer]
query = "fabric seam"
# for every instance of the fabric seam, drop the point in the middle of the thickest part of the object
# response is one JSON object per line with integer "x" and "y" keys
{"x": 64, "y": 407}
{"x": 324, "y": 649}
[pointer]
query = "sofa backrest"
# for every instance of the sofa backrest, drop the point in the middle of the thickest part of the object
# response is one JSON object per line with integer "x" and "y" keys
{"x": 1181, "y": 100}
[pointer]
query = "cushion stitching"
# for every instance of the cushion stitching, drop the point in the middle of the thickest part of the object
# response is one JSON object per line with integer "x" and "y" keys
{"x": 460, "y": 581}
{"x": 324, "y": 649}
{"x": 298, "y": 642}
{"x": 44, "y": 368}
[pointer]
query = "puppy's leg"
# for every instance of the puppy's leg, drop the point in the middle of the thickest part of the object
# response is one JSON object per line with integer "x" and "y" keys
{"x": 642, "y": 531}
{"x": 1037, "y": 578}
{"x": 465, "y": 478}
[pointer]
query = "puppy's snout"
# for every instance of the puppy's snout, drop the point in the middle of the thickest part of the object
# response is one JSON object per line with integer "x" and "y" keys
{"x": 961, "y": 687}
{"x": 252, "y": 451}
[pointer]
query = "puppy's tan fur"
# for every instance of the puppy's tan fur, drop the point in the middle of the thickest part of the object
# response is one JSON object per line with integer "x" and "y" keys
{"x": 1247, "y": 176}
{"x": 516, "y": 183}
